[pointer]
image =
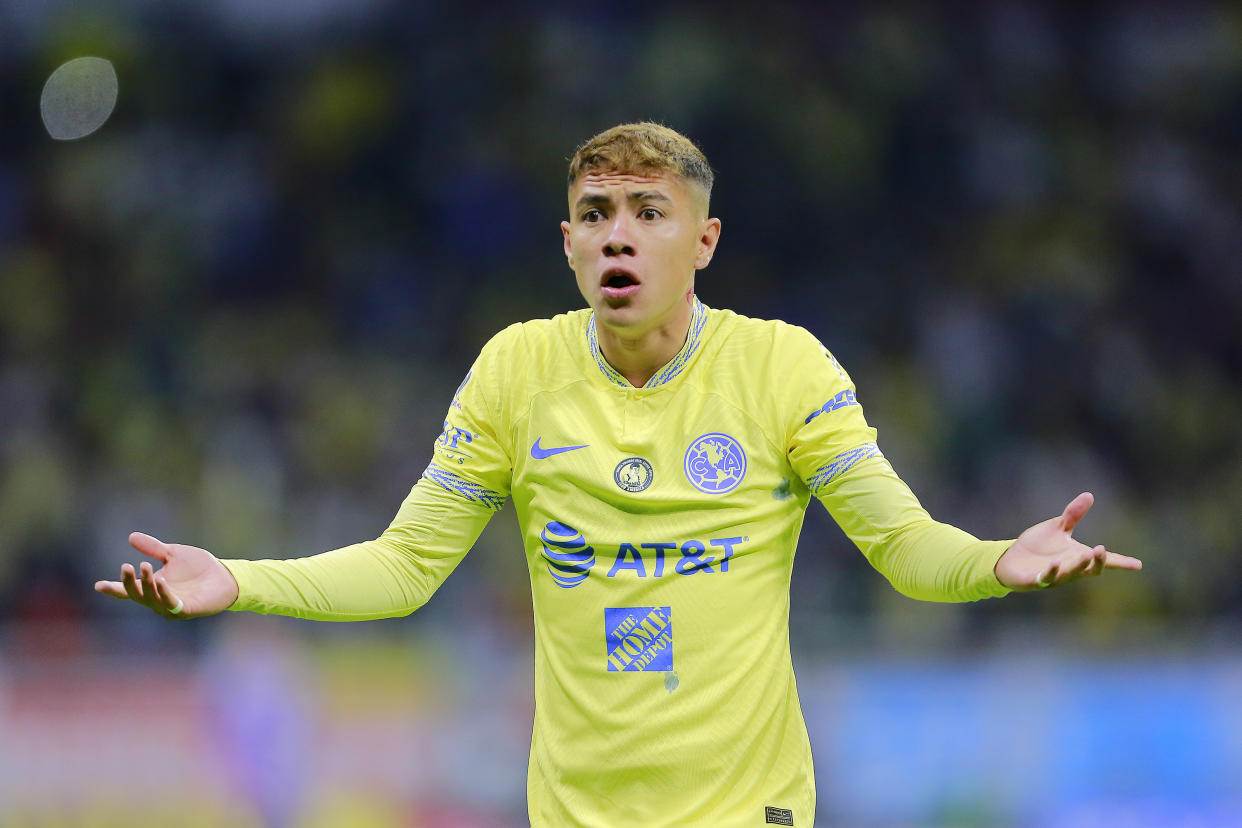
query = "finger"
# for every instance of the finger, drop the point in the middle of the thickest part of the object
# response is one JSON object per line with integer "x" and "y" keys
{"x": 113, "y": 588}
{"x": 168, "y": 600}
{"x": 1075, "y": 511}
{"x": 1099, "y": 556}
{"x": 146, "y": 574}
{"x": 1114, "y": 561}
{"x": 130, "y": 583}
{"x": 149, "y": 546}
{"x": 1048, "y": 577}
{"x": 1074, "y": 568}
{"x": 1083, "y": 566}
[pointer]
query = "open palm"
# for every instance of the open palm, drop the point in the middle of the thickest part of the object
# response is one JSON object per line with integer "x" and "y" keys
{"x": 1047, "y": 554}
{"x": 191, "y": 582}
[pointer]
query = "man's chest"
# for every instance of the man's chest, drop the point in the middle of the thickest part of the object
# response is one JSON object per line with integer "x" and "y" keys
{"x": 673, "y": 451}
{"x": 681, "y": 493}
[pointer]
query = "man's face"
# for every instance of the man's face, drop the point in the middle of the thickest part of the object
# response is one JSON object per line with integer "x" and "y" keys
{"x": 634, "y": 242}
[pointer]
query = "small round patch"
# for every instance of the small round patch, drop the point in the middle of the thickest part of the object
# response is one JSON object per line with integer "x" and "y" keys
{"x": 633, "y": 474}
{"x": 715, "y": 463}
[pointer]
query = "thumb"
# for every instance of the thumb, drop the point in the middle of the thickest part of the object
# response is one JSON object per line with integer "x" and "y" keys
{"x": 1074, "y": 512}
{"x": 149, "y": 546}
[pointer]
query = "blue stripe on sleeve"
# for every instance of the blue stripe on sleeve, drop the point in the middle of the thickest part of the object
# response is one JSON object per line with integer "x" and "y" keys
{"x": 840, "y": 464}
{"x": 463, "y": 487}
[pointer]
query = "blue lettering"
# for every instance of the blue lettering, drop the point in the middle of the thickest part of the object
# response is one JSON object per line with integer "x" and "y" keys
{"x": 452, "y": 434}
{"x": 620, "y": 563}
{"x": 695, "y": 556}
{"x": 841, "y": 400}
{"x": 727, "y": 543}
{"x": 692, "y": 559}
{"x": 700, "y": 467}
{"x": 659, "y": 552}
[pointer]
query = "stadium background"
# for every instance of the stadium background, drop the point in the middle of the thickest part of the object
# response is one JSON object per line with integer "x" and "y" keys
{"x": 235, "y": 315}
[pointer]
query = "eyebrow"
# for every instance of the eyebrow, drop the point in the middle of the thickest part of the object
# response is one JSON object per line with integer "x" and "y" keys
{"x": 644, "y": 195}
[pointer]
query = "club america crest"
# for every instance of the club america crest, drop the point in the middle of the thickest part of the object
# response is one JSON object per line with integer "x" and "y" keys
{"x": 715, "y": 463}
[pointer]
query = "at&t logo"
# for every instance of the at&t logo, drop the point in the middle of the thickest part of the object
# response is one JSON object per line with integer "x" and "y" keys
{"x": 569, "y": 557}
{"x": 566, "y": 552}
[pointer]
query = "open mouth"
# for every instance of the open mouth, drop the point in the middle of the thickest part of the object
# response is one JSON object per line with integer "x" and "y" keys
{"x": 620, "y": 280}
{"x": 618, "y": 287}
{"x": 617, "y": 283}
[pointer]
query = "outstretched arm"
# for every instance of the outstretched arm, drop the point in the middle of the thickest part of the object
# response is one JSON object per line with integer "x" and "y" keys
{"x": 834, "y": 452}
{"x": 933, "y": 561}
{"x": 921, "y": 558}
{"x": 1047, "y": 555}
{"x": 392, "y": 575}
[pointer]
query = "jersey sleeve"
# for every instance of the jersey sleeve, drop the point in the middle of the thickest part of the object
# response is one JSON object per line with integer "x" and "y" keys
{"x": 836, "y": 454}
{"x": 392, "y": 575}
{"x": 465, "y": 483}
{"x": 827, "y": 432}
{"x": 919, "y": 556}
{"x": 472, "y": 457}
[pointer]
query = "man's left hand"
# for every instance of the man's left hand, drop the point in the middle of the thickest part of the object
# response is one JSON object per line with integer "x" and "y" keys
{"x": 1047, "y": 555}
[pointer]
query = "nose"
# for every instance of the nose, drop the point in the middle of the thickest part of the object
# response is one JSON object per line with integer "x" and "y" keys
{"x": 619, "y": 241}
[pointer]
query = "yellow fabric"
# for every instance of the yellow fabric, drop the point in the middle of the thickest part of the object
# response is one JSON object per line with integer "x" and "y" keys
{"x": 392, "y": 575}
{"x": 659, "y": 527}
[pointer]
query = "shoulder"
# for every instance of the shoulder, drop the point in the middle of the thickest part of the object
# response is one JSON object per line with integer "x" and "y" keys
{"x": 535, "y": 338}
{"x": 772, "y": 365}
{"x": 767, "y": 337}
{"x": 528, "y": 357}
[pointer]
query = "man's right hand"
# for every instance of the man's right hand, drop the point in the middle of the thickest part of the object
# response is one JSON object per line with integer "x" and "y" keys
{"x": 191, "y": 579}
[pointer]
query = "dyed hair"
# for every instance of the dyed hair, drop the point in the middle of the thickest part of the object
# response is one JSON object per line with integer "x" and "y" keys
{"x": 642, "y": 148}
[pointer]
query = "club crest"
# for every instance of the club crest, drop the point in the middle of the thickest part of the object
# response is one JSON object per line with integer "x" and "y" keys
{"x": 715, "y": 463}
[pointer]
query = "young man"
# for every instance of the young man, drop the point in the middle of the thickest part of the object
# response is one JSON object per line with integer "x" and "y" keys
{"x": 661, "y": 456}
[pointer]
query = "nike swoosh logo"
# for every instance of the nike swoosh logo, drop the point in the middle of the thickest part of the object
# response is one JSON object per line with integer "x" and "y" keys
{"x": 540, "y": 453}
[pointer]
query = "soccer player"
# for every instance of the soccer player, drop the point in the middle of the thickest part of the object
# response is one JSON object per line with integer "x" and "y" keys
{"x": 661, "y": 455}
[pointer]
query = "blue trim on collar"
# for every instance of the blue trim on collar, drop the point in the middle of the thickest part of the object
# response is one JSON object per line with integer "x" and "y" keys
{"x": 674, "y": 367}
{"x": 607, "y": 370}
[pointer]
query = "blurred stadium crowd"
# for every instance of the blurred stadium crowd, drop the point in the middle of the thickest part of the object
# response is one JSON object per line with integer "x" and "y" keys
{"x": 234, "y": 316}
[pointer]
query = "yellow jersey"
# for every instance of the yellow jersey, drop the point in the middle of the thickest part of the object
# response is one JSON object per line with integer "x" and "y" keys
{"x": 659, "y": 525}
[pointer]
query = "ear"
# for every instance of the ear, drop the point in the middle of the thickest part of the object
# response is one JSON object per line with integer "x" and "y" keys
{"x": 707, "y": 243}
{"x": 569, "y": 251}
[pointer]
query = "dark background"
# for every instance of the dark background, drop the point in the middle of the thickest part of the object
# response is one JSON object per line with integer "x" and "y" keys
{"x": 235, "y": 315}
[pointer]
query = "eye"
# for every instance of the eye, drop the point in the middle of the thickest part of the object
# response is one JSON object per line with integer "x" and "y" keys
{"x": 650, "y": 214}
{"x": 592, "y": 215}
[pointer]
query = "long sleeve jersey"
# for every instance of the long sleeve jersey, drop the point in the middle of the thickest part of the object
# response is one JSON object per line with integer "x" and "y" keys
{"x": 659, "y": 526}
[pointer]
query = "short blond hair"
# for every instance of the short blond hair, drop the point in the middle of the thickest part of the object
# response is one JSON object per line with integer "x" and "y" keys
{"x": 644, "y": 147}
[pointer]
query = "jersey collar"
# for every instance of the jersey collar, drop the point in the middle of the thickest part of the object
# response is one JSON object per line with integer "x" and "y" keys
{"x": 671, "y": 369}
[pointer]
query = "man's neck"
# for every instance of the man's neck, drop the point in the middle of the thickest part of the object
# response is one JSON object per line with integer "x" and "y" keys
{"x": 639, "y": 357}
